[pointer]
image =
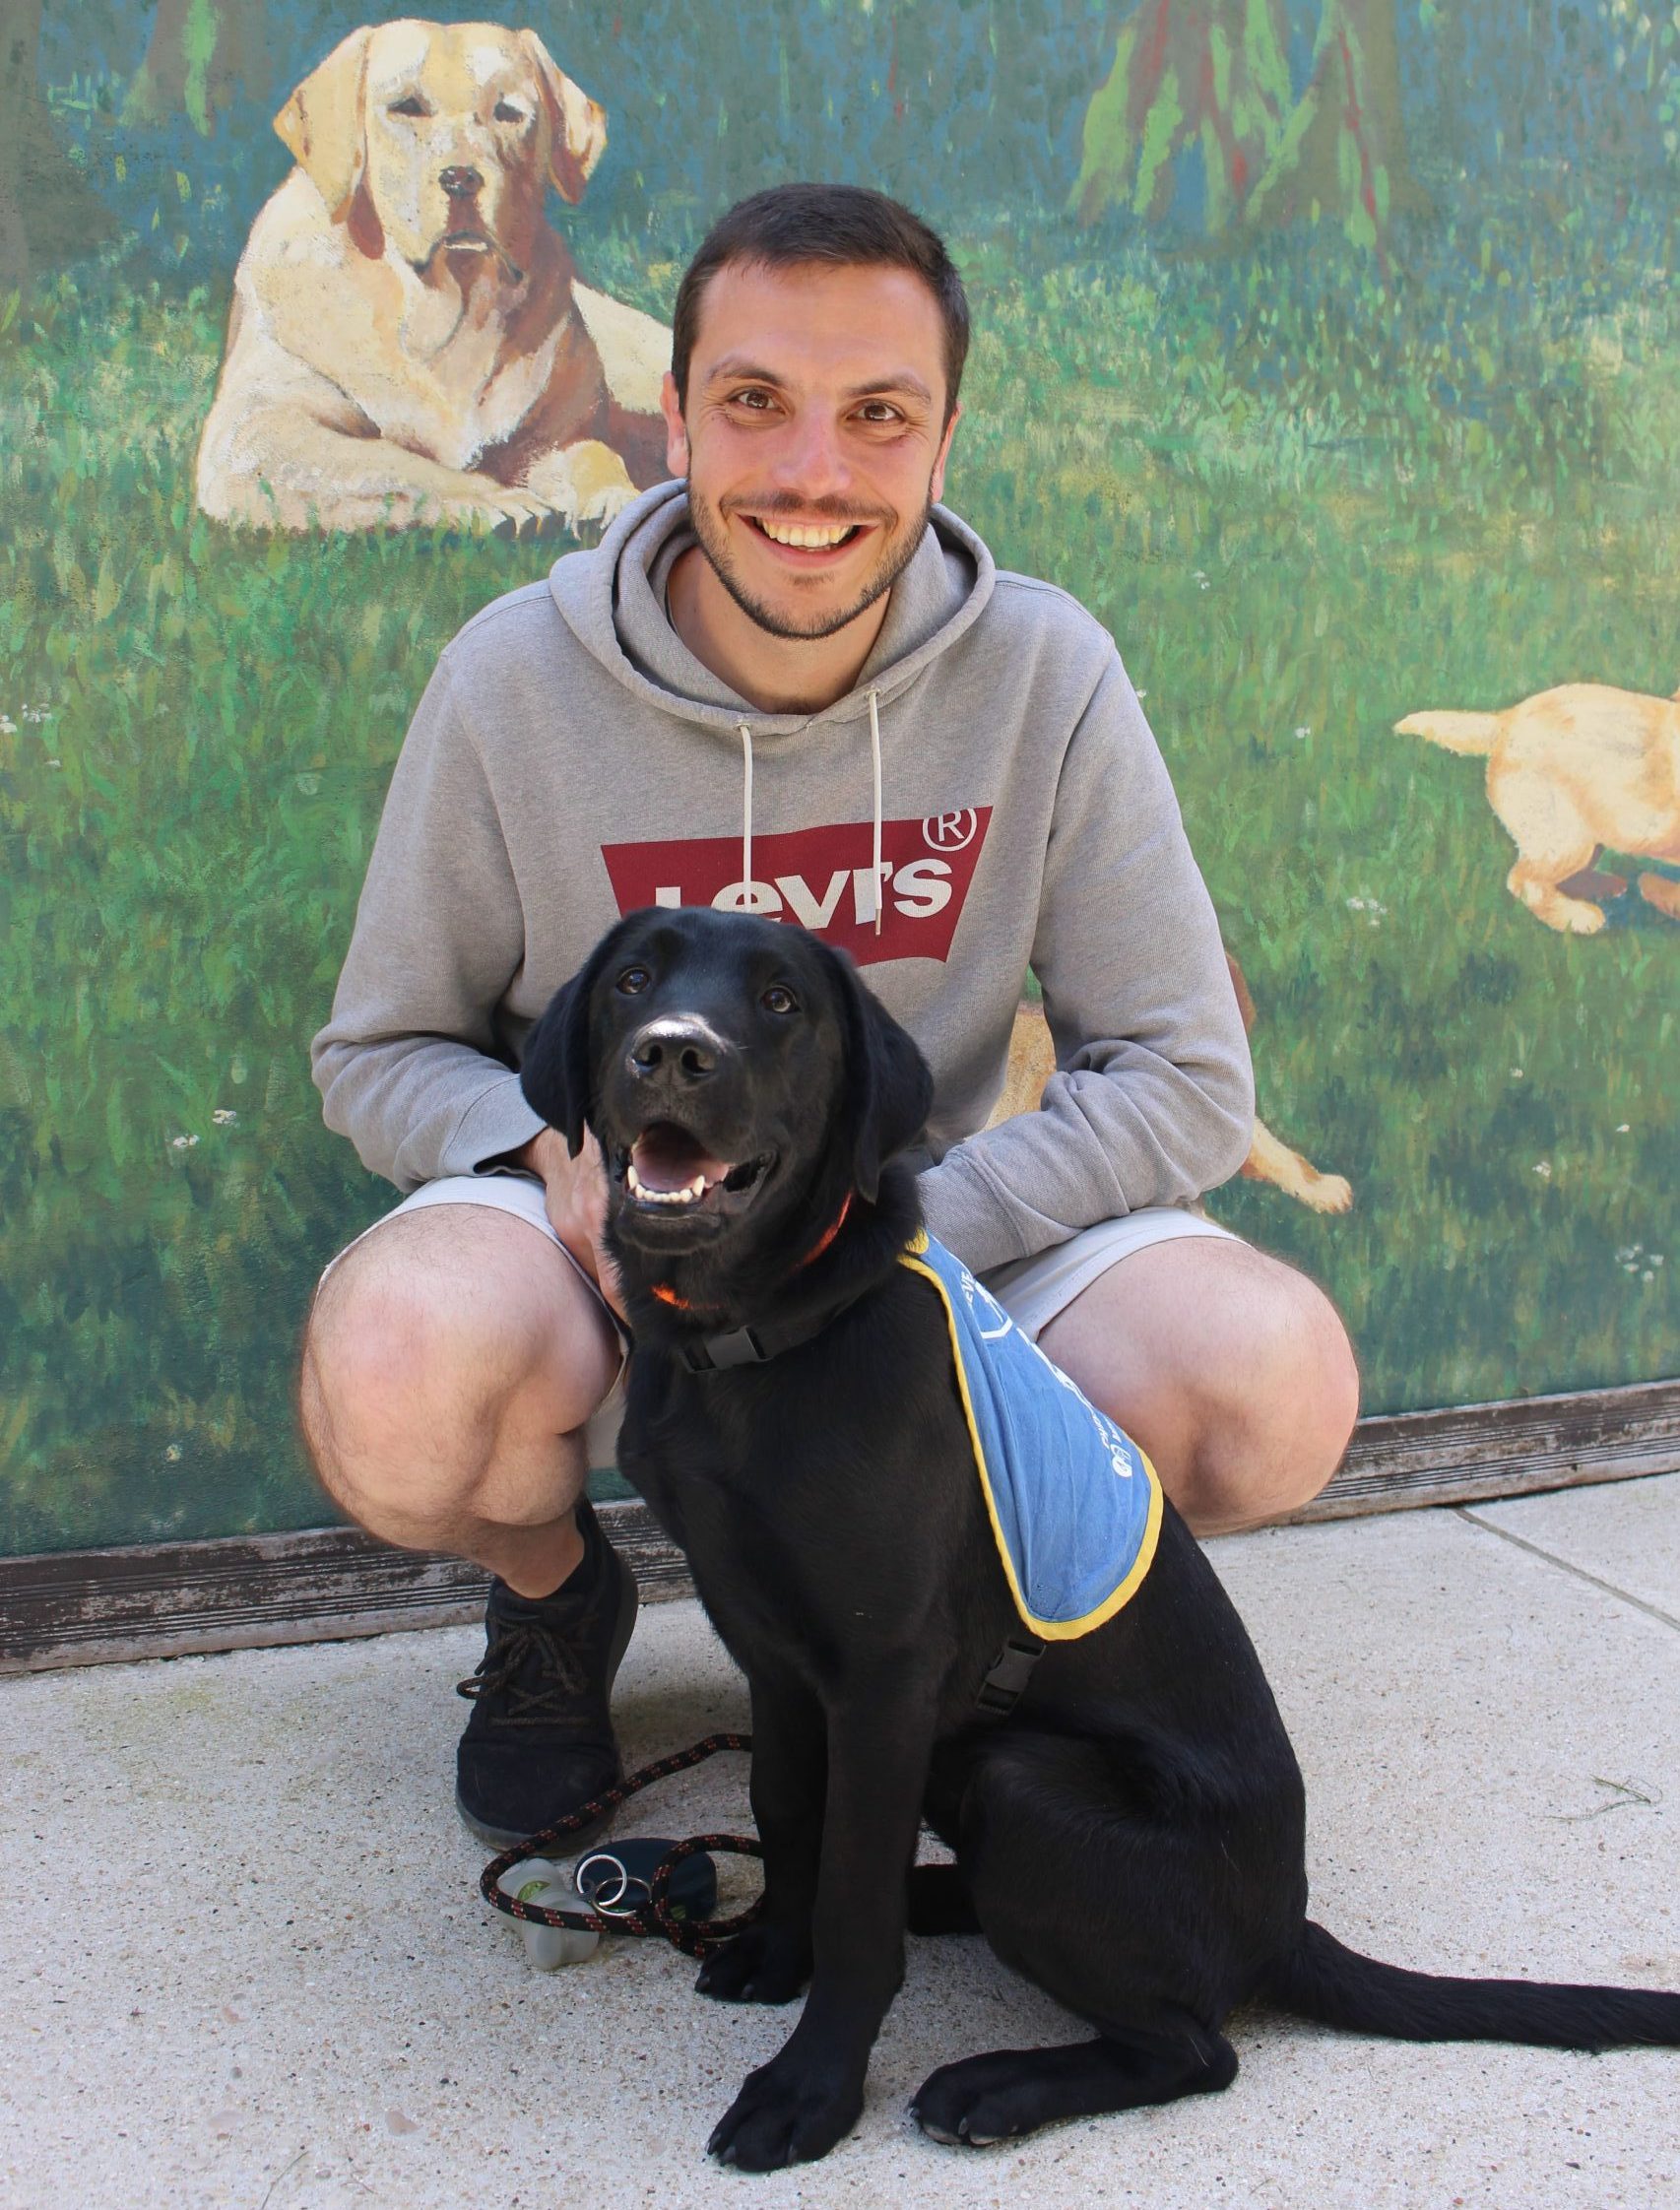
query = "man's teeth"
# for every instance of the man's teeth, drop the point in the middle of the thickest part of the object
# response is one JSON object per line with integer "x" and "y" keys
{"x": 807, "y": 540}
{"x": 690, "y": 1193}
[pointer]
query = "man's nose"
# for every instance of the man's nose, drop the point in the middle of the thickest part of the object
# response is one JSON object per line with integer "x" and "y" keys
{"x": 461, "y": 183}
{"x": 684, "y": 1052}
{"x": 811, "y": 460}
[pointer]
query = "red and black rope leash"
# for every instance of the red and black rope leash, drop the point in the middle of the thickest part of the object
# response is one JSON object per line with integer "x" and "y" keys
{"x": 700, "y": 1937}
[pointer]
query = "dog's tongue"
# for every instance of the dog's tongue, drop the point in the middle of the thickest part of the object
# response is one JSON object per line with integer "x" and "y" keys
{"x": 666, "y": 1157}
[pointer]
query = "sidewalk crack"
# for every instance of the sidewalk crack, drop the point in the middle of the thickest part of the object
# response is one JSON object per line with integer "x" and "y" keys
{"x": 1522, "y": 1542}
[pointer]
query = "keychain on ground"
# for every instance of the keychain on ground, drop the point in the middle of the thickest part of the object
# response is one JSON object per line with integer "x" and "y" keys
{"x": 613, "y": 1881}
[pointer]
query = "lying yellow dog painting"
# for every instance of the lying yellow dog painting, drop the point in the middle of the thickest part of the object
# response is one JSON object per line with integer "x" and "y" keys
{"x": 1032, "y": 1061}
{"x": 1573, "y": 772}
{"x": 408, "y": 342}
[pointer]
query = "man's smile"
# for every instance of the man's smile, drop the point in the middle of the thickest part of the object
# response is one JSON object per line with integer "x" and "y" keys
{"x": 803, "y": 545}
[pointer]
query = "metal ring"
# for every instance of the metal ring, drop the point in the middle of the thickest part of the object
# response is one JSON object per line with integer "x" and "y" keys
{"x": 618, "y": 1907}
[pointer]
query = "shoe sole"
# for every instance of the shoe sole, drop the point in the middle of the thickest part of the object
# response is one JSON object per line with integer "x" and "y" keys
{"x": 506, "y": 1838}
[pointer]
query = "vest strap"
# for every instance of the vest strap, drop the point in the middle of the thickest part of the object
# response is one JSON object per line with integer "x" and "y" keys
{"x": 1010, "y": 1671}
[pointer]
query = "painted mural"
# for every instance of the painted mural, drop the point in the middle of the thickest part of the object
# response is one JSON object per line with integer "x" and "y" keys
{"x": 1327, "y": 349}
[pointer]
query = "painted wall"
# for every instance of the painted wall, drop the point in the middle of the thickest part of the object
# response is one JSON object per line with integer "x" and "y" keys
{"x": 1327, "y": 349}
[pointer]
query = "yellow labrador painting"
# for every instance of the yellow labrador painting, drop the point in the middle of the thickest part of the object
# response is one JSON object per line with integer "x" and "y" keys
{"x": 1032, "y": 1061}
{"x": 408, "y": 342}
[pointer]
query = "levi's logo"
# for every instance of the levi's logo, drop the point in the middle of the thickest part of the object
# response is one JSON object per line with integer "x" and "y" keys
{"x": 821, "y": 878}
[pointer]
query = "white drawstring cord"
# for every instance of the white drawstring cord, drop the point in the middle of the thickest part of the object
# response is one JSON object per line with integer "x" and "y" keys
{"x": 751, "y": 904}
{"x": 874, "y": 754}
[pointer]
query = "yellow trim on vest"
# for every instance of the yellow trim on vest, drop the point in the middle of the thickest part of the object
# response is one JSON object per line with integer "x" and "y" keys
{"x": 1052, "y": 1630}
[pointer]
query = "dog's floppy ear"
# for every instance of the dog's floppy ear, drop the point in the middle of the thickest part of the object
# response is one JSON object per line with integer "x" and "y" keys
{"x": 554, "y": 1071}
{"x": 321, "y": 124}
{"x": 577, "y": 123}
{"x": 888, "y": 1090}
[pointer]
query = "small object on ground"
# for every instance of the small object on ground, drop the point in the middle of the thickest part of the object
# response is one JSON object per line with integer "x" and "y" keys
{"x": 613, "y": 1881}
{"x": 617, "y": 1878}
{"x": 539, "y": 1880}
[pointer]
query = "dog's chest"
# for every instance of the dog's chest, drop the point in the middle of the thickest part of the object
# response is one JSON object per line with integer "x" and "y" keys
{"x": 467, "y": 393}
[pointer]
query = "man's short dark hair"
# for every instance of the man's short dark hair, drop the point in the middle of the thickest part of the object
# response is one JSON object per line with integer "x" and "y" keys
{"x": 791, "y": 225}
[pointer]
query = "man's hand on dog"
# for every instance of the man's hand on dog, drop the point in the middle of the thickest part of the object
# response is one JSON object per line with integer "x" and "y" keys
{"x": 576, "y": 1204}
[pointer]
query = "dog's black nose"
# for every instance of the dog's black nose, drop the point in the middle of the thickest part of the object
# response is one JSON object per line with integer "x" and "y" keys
{"x": 462, "y": 184}
{"x": 685, "y": 1050}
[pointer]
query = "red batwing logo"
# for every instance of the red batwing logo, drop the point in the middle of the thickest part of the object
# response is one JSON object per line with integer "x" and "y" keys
{"x": 822, "y": 878}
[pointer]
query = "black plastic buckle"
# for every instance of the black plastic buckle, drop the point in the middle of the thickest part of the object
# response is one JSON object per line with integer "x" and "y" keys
{"x": 712, "y": 1354}
{"x": 1010, "y": 1671}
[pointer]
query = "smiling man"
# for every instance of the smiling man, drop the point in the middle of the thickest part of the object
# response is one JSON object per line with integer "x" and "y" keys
{"x": 789, "y": 683}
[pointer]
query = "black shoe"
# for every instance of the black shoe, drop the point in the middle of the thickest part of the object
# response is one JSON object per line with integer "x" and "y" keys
{"x": 539, "y": 1742}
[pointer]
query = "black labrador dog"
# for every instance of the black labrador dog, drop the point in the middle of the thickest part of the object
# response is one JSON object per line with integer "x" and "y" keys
{"x": 1127, "y": 1811}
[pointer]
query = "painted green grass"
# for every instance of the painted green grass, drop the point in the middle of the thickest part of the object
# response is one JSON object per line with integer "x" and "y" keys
{"x": 1293, "y": 538}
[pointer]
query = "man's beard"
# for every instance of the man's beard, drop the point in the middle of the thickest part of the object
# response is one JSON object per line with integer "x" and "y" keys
{"x": 712, "y": 538}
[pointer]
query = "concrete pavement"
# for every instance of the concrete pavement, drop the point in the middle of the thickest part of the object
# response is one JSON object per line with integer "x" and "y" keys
{"x": 247, "y": 1963}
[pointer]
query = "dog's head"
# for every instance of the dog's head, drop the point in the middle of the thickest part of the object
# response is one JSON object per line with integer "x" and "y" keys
{"x": 446, "y": 133}
{"x": 739, "y": 1078}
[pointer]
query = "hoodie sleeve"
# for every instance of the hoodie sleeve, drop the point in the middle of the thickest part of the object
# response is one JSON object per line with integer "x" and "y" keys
{"x": 409, "y": 1067}
{"x": 1152, "y": 1101}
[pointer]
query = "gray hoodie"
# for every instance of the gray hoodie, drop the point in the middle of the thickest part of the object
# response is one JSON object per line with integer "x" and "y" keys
{"x": 990, "y": 770}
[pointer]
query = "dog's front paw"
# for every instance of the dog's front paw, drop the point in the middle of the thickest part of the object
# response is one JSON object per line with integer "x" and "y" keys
{"x": 586, "y": 485}
{"x": 761, "y": 1966}
{"x": 786, "y": 2114}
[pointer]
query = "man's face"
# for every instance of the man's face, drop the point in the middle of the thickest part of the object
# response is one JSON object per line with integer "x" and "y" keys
{"x": 815, "y": 438}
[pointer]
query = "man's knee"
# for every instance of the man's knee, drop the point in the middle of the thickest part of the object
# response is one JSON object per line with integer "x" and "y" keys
{"x": 1277, "y": 1414}
{"x": 431, "y": 1338}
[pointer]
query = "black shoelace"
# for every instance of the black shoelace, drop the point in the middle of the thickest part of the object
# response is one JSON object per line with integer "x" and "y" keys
{"x": 553, "y": 1668}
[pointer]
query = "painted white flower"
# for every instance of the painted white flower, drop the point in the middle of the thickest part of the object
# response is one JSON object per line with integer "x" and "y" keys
{"x": 182, "y": 1142}
{"x": 1305, "y": 729}
{"x": 7, "y": 726}
{"x": 1544, "y": 1170}
{"x": 224, "y": 1116}
{"x": 173, "y": 1454}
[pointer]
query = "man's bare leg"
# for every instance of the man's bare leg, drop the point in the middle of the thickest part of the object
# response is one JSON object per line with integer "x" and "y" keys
{"x": 451, "y": 1361}
{"x": 1231, "y": 1369}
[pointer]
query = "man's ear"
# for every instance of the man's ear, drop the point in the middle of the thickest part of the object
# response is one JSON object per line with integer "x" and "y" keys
{"x": 321, "y": 125}
{"x": 554, "y": 1073}
{"x": 887, "y": 1089}
{"x": 577, "y": 125}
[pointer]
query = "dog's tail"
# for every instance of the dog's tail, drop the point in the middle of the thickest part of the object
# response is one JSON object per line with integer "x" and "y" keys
{"x": 1334, "y": 1985}
{"x": 1457, "y": 732}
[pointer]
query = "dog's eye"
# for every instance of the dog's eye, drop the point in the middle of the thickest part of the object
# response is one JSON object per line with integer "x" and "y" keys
{"x": 506, "y": 112}
{"x": 778, "y": 999}
{"x": 412, "y": 105}
{"x": 633, "y": 981}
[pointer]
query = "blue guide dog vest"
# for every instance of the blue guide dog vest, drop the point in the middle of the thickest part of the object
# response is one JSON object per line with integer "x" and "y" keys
{"x": 1074, "y": 1504}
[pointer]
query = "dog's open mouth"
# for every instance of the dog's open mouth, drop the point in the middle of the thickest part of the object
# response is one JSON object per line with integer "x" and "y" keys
{"x": 478, "y": 243}
{"x": 669, "y": 1170}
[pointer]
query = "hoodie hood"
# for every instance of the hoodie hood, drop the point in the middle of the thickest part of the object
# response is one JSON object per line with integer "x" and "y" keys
{"x": 613, "y": 599}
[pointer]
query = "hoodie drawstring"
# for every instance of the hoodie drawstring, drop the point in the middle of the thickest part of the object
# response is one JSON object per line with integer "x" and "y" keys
{"x": 875, "y": 755}
{"x": 747, "y": 894}
{"x": 746, "y": 814}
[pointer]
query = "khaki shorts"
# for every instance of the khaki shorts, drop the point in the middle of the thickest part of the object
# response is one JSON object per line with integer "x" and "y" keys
{"x": 1032, "y": 1291}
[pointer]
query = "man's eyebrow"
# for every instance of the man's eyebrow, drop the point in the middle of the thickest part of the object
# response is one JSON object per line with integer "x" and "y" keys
{"x": 736, "y": 369}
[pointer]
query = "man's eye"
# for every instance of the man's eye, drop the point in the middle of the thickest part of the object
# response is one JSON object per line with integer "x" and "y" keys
{"x": 756, "y": 401}
{"x": 412, "y": 105}
{"x": 880, "y": 411}
{"x": 779, "y": 1000}
{"x": 633, "y": 981}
